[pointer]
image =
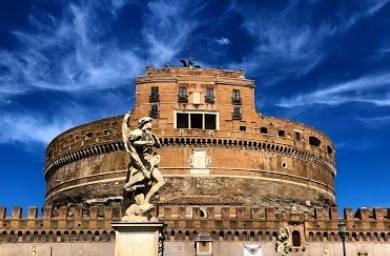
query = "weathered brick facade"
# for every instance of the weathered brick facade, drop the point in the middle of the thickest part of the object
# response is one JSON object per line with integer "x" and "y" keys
{"x": 231, "y": 172}
{"x": 254, "y": 159}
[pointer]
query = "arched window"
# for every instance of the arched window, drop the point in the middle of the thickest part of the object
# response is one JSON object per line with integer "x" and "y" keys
{"x": 296, "y": 238}
{"x": 314, "y": 141}
{"x": 202, "y": 213}
{"x": 330, "y": 150}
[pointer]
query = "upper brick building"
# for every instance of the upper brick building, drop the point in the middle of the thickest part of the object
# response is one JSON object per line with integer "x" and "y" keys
{"x": 213, "y": 140}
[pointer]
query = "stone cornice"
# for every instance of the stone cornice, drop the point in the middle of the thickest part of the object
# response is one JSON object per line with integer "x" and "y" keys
{"x": 265, "y": 146}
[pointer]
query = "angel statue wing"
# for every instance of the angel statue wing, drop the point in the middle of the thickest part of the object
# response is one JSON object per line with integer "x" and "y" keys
{"x": 126, "y": 131}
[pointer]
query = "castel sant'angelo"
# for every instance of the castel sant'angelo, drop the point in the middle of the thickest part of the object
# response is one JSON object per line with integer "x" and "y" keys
{"x": 237, "y": 182}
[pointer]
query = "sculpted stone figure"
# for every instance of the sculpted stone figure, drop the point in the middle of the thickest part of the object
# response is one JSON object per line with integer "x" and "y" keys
{"x": 282, "y": 242}
{"x": 144, "y": 178}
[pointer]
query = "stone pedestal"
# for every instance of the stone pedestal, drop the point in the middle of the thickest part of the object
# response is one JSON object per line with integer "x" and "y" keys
{"x": 137, "y": 238}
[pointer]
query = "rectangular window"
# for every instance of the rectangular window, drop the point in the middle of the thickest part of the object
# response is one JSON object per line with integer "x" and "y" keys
{"x": 282, "y": 133}
{"x": 236, "y": 94}
{"x": 182, "y": 97}
{"x": 209, "y": 98}
{"x": 237, "y": 113}
{"x": 196, "y": 121}
{"x": 210, "y": 92}
{"x": 210, "y": 121}
{"x": 298, "y": 136}
{"x": 154, "y": 91}
{"x": 182, "y": 92}
{"x": 182, "y": 121}
{"x": 263, "y": 130}
{"x": 154, "y": 112}
{"x": 236, "y": 97}
{"x": 154, "y": 94}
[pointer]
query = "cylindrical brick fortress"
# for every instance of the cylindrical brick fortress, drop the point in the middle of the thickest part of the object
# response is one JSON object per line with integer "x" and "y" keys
{"x": 216, "y": 148}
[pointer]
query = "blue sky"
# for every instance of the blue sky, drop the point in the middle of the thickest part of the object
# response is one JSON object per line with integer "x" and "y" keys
{"x": 323, "y": 63}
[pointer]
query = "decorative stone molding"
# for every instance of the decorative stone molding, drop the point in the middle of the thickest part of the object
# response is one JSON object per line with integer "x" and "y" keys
{"x": 249, "y": 145}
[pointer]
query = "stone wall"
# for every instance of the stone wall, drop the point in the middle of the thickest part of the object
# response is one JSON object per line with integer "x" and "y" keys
{"x": 86, "y": 231}
{"x": 184, "y": 223}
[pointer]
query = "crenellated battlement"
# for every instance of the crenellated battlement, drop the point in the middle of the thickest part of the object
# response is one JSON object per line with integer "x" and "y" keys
{"x": 223, "y": 222}
{"x": 60, "y": 218}
{"x": 109, "y": 213}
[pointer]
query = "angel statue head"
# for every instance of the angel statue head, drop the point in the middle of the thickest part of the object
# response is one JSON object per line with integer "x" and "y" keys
{"x": 145, "y": 123}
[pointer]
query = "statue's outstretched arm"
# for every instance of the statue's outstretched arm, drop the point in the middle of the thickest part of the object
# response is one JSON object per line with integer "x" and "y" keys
{"x": 140, "y": 143}
{"x": 126, "y": 131}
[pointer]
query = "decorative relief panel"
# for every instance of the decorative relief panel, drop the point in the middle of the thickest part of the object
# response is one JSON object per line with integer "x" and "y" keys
{"x": 199, "y": 162}
{"x": 196, "y": 98}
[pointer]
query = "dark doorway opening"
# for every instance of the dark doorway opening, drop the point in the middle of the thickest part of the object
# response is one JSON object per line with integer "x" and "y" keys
{"x": 296, "y": 238}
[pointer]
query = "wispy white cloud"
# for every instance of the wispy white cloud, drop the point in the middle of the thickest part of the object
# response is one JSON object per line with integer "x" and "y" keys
{"x": 28, "y": 127}
{"x": 72, "y": 53}
{"x": 375, "y": 122}
{"x": 370, "y": 8}
{"x": 22, "y": 125}
{"x": 359, "y": 144}
{"x": 222, "y": 41}
{"x": 294, "y": 50}
{"x": 377, "y": 118}
{"x": 286, "y": 48}
{"x": 66, "y": 55}
{"x": 77, "y": 52}
{"x": 166, "y": 30}
{"x": 345, "y": 92}
{"x": 385, "y": 50}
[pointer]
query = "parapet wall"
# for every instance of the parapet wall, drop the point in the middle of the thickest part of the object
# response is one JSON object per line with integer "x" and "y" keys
{"x": 220, "y": 73}
{"x": 106, "y": 135}
{"x": 184, "y": 223}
